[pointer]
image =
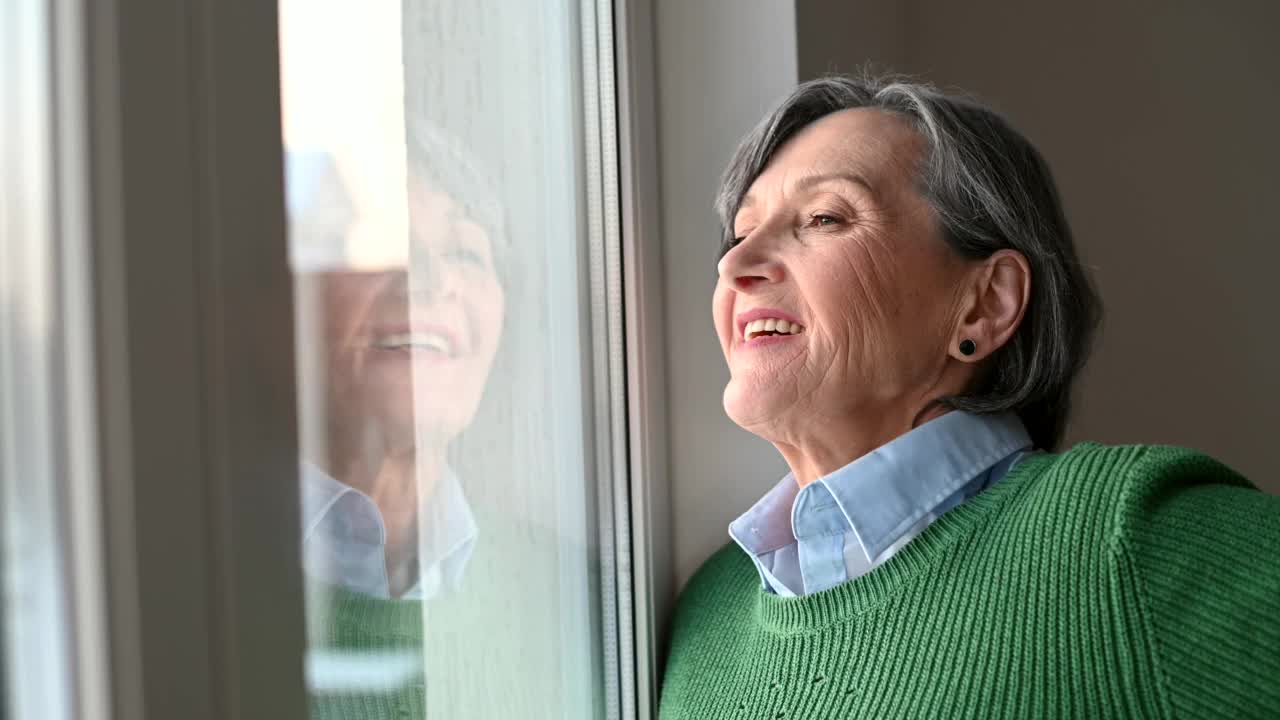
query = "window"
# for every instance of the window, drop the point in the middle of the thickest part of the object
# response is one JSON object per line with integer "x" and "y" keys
{"x": 351, "y": 445}
{"x": 449, "y": 188}
{"x": 51, "y": 603}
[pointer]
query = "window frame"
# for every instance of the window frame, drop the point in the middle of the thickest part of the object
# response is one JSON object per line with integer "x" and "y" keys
{"x": 54, "y": 630}
{"x": 177, "y": 295}
{"x": 645, "y": 342}
{"x": 195, "y": 406}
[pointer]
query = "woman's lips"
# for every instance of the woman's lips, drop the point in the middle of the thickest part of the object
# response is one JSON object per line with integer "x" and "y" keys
{"x": 767, "y": 340}
{"x": 424, "y": 339}
{"x": 763, "y": 323}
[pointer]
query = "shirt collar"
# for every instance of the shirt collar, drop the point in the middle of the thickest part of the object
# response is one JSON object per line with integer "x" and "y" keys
{"x": 886, "y": 491}
{"x": 343, "y": 535}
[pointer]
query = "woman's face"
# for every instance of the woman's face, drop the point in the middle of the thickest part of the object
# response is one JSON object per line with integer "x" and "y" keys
{"x": 409, "y": 351}
{"x": 835, "y": 237}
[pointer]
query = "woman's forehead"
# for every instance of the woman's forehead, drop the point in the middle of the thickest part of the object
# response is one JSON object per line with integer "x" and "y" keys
{"x": 875, "y": 147}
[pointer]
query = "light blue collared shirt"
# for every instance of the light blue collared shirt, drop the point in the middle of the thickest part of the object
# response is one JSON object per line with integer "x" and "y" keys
{"x": 344, "y": 539}
{"x": 843, "y": 525}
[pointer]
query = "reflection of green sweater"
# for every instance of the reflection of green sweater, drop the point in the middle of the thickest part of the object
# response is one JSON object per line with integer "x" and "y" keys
{"x": 493, "y": 648}
{"x": 1100, "y": 582}
{"x": 379, "y": 640}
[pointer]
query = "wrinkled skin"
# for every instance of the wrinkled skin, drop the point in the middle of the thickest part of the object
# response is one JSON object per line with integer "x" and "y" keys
{"x": 835, "y": 233}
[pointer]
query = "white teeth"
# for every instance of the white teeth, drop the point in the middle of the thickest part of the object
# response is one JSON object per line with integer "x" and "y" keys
{"x": 434, "y": 342}
{"x": 774, "y": 325}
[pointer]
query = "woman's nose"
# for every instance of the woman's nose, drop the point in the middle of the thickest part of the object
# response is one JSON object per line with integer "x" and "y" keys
{"x": 750, "y": 265}
{"x": 431, "y": 277}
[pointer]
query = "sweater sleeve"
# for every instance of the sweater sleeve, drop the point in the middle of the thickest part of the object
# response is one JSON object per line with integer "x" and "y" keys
{"x": 1202, "y": 547}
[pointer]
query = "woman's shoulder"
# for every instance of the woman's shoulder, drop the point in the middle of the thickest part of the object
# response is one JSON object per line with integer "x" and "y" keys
{"x": 1142, "y": 461}
{"x": 1140, "y": 494}
{"x": 1193, "y": 544}
{"x": 727, "y": 577}
{"x": 726, "y": 568}
{"x": 721, "y": 594}
{"x": 1134, "y": 478}
{"x": 1109, "y": 495}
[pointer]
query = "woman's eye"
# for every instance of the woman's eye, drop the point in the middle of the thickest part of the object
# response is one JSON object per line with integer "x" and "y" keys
{"x": 823, "y": 220}
{"x": 470, "y": 257}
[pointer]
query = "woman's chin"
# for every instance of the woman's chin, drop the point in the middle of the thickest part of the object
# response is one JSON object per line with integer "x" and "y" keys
{"x": 434, "y": 406}
{"x": 749, "y": 408}
{"x": 399, "y": 424}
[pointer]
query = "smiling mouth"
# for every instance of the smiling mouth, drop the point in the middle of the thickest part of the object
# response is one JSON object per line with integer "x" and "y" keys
{"x": 428, "y": 341}
{"x": 766, "y": 327}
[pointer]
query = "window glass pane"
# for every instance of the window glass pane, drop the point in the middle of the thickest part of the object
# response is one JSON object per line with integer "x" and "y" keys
{"x": 36, "y": 666}
{"x": 435, "y": 182}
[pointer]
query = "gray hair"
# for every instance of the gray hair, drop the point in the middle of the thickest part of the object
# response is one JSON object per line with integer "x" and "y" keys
{"x": 991, "y": 190}
{"x": 441, "y": 161}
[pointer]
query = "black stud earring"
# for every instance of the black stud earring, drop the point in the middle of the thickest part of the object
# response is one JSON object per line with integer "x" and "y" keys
{"x": 967, "y": 347}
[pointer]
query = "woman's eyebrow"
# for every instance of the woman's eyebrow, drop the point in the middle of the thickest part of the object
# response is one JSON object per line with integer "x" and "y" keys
{"x": 809, "y": 181}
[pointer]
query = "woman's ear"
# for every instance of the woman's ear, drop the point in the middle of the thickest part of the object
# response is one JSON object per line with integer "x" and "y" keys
{"x": 1000, "y": 291}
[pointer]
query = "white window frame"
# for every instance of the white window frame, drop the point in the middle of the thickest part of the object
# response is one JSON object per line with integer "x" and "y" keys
{"x": 176, "y": 305}
{"x": 645, "y": 342}
{"x": 54, "y": 631}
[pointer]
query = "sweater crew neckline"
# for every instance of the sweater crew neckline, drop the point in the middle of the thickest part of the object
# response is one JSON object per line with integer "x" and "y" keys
{"x": 799, "y": 615}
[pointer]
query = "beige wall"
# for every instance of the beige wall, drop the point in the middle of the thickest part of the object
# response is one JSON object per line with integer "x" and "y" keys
{"x": 1160, "y": 127}
{"x": 720, "y": 65}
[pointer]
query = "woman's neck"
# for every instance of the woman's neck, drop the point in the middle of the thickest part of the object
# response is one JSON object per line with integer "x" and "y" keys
{"x": 833, "y": 445}
{"x": 399, "y": 484}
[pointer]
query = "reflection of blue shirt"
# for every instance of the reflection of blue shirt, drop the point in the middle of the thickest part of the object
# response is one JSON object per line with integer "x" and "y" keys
{"x": 344, "y": 539}
{"x": 842, "y": 525}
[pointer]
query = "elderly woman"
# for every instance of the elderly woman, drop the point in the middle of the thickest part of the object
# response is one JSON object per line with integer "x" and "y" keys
{"x": 903, "y": 314}
{"x": 406, "y": 352}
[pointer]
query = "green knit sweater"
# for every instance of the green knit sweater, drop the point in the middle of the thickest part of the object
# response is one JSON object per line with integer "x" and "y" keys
{"x": 1101, "y": 582}
{"x": 489, "y": 649}
{"x": 365, "y": 629}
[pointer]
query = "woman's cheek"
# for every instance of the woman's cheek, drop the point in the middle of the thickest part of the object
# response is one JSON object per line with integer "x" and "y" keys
{"x": 721, "y": 312}
{"x": 488, "y": 316}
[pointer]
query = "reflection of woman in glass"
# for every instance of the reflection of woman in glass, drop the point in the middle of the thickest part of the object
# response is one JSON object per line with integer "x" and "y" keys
{"x": 407, "y": 353}
{"x": 403, "y": 357}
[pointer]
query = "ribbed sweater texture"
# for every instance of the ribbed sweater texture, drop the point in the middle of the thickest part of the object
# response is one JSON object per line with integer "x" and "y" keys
{"x": 367, "y": 628}
{"x": 1125, "y": 582}
{"x": 489, "y": 647}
